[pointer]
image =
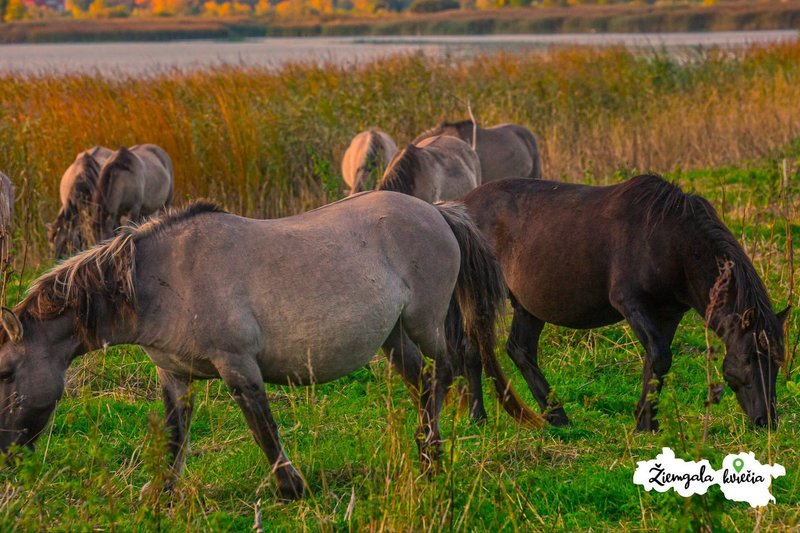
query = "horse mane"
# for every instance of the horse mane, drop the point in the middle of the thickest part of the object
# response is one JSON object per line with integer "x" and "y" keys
{"x": 440, "y": 128}
{"x": 661, "y": 199}
{"x": 401, "y": 173}
{"x": 100, "y": 280}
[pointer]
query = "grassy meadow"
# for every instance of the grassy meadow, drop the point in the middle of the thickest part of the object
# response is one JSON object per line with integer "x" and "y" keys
{"x": 268, "y": 143}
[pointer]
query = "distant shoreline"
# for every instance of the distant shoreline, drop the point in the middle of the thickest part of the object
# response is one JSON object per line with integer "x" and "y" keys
{"x": 146, "y": 58}
{"x": 581, "y": 19}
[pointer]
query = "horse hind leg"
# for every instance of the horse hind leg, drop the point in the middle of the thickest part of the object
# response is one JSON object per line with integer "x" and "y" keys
{"x": 473, "y": 370}
{"x": 523, "y": 348}
{"x": 429, "y": 384}
{"x": 468, "y": 354}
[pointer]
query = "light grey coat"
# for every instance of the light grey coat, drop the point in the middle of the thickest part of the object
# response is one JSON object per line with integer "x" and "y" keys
{"x": 304, "y": 299}
{"x": 437, "y": 169}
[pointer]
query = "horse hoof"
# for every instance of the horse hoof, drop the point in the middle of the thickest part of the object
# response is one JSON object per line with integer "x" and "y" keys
{"x": 645, "y": 426}
{"x": 479, "y": 418}
{"x": 557, "y": 417}
{"x": 291, "y": 487}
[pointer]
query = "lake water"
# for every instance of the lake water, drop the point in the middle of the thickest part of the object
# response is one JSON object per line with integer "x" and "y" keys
{"x": 149, "y": 58}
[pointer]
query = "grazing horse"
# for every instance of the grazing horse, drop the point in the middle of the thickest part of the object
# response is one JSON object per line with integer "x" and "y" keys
{"x": 505, "y": 150}
{"x": 134, "y": 182}
{"x": 368, "y": 155}
{"x": 437, "y": 169}
{"x": 209, "y": 294}
{"x": 643, "y": 251}
{"x": 66, "y": 233}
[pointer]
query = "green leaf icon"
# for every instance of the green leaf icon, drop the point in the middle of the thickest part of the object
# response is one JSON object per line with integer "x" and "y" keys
{"x": 738, "y": 464}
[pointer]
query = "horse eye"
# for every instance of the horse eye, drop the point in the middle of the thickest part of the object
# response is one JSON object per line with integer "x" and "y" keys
{"x": 7, "y": 377}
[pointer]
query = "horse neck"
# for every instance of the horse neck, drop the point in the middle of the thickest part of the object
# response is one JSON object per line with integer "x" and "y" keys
{"x": 465, "y": 131}
{"x": 62, "y": 337}
{"x": 721, "y": 287}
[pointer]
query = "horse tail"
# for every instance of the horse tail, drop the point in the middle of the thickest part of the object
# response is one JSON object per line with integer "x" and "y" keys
{"x": 365, "y": 175}
{"x": 100, "y": 211}
{"x": 479, "y": 294}
{"x": 119, "y": 160}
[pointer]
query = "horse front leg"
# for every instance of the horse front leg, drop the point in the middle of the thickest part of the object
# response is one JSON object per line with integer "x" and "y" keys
{"x": 178, "y": 406}
{"x": 244, "y": 380}
{"x": 655, "y": 332}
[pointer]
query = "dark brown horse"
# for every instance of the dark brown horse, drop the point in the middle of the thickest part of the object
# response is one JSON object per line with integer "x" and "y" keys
{"x": 643, "y": 251}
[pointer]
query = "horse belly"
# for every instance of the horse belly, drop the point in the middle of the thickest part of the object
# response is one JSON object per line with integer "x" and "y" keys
{"x": 328, "y": 341}
{"x": 555, "y": 293}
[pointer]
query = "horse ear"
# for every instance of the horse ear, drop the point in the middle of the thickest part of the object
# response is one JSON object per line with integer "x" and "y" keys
{"x": 747, "y": 318}
{"x": 11, "y": 324}
{"x": 784, "y": 315}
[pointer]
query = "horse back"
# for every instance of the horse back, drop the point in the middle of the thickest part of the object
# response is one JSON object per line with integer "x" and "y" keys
{"x": 506, "y": 151}
{"x": 566, "y": 249}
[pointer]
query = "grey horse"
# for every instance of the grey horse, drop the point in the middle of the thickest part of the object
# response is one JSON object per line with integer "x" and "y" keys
{"x": 364, "y": 161}
{"x": 68, "y": 233}
{"x": 133, "y": 182}
{"x": 209, "y": 294}
{"x": 505, "y": 150}
{"x": 437, "y": 169}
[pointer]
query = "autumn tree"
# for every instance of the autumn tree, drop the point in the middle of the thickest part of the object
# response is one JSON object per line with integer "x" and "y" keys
{"x": 15, "y": 10}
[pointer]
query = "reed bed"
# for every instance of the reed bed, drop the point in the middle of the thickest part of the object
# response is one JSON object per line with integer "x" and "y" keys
{"x": 268, "y": 142}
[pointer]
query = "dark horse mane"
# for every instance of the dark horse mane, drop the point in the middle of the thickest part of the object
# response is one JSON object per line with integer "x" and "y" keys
{"x": 122, "y": 160}
{"x": 442, "y": 126}
{"x": 400, "y": 175}
{"x": 99, "y": 280}
{"x": 661, "y": 200}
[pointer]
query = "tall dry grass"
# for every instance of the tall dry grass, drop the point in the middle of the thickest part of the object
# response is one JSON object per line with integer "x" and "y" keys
{"x": 268, "y": 142}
